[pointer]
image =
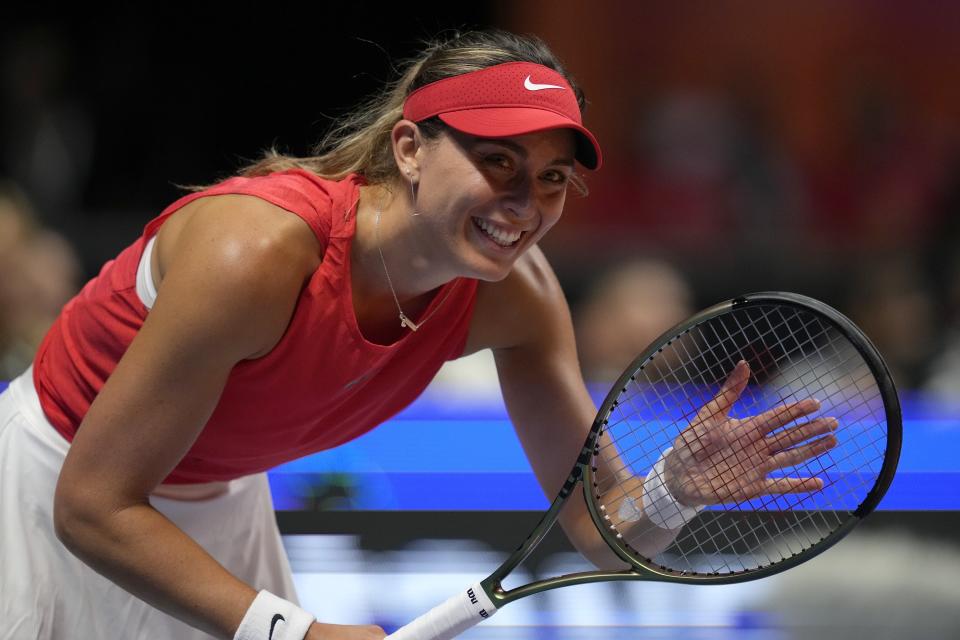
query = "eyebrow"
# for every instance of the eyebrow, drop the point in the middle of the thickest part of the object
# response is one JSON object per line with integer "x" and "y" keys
{"x": 520, "y": 150}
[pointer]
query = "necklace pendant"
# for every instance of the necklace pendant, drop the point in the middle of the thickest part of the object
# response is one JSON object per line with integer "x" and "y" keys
{"x": 408, "y": 323}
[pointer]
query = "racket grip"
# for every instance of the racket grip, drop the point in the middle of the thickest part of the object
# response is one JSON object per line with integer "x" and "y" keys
{"x": 448, "y": 620}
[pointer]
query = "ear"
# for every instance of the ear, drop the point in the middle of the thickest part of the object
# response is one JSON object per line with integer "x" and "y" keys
{"x": 407, "y": 146}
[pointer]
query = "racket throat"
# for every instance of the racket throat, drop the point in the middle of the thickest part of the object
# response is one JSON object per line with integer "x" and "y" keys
{"x": 501, "y": 596}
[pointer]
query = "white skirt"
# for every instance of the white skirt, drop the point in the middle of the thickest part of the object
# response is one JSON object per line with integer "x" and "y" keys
{"x": 47, "y": 593}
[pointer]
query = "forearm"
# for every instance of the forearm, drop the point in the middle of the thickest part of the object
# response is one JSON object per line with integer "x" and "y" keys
{"x": 142, "y": 551}
{"x": 583, "y": 535}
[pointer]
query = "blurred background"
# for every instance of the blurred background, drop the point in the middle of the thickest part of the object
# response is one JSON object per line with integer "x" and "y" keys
{"x": 811, "y": 147}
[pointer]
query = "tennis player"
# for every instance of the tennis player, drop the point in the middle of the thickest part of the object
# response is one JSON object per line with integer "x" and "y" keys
{"x": 281, "y": 312}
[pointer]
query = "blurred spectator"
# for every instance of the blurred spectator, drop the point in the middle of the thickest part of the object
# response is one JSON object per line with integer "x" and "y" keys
{"x": 46, "y": 136}
{"x": 768, "y": 196}
{"x": 943, "y": 382}
{"x": 881, "y": 196}
{"x": 672, "y": 190}
{"x": 39, "y": 272}
{"x": 626, "y": 310}
{"x": 705, "y": 174}
{"x": 944, "y": 264}
{"x": 894, "y": 305}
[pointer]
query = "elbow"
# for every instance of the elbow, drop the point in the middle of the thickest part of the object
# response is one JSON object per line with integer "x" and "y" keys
{"x": 66, "y": 518}
{"x": 75, "y": 519}
{"x": 590, "y": 544}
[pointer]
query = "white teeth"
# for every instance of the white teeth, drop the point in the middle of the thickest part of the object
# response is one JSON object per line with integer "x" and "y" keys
{"x": 503, "y": 238}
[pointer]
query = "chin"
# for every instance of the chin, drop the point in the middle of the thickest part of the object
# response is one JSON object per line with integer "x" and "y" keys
{"x": 486, "y": 271}
{"x": 496, "y": 277}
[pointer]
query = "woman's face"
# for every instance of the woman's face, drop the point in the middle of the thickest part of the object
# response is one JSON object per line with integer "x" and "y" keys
{"x": 493, "y": 198}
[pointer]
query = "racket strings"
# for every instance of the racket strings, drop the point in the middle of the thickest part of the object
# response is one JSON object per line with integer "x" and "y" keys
{"x": 765, "y": 505}
{"x": 787, "y": 352}
{"x": 822, "y": 469}
{"x": 699, "y": 401}
{"x": 630, "y": 400}
{"x": 793, "y": 355}
{"x": 696, "y": 401}
{"x": 703, "y": 399}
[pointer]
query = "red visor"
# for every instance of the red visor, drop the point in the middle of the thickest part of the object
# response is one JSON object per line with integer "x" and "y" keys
{"x": 504, "y": 100}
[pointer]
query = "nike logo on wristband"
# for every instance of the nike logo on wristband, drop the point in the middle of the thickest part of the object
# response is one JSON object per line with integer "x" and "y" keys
{"x": 529, "y": 85}
{"x": 273, "y": 623}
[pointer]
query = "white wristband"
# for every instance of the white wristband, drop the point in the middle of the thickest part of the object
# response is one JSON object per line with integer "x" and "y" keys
{"x": 659, "y": 504}
{"x": 273, "y": 618}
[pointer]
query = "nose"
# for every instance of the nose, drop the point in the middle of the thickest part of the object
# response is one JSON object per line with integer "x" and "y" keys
{"x": 520, "y": 200}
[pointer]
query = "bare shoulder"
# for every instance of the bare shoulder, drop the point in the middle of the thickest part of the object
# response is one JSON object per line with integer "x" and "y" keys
{"x": 525, "y": 308}
{"x": 241, "y": 224}
{"x": 240, "y": 255}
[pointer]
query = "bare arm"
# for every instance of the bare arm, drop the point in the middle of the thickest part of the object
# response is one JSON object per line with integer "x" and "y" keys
{"x": 231, "y": 279}
{"x": 525, "y": 319}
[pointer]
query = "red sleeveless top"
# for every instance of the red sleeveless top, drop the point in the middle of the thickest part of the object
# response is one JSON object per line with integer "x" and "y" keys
{"x": 322, "y": 385}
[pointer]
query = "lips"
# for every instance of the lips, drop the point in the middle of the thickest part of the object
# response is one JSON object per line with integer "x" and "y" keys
{"x": 501, "y": 236}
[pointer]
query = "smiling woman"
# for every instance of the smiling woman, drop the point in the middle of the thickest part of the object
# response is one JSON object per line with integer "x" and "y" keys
{"x": 133, "y": 452}
{"x": 489, "y": 199}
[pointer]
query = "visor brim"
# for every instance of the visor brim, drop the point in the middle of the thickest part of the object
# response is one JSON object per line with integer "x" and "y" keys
{"x": 503, "y": 122}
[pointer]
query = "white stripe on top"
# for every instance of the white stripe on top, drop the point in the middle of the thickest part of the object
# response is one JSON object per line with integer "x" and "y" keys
{"x": 146, "y": 290}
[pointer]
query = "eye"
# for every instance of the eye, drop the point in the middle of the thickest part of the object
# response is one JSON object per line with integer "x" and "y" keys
{"x": 498, "y": 160}
{"x": 555, "y": 177}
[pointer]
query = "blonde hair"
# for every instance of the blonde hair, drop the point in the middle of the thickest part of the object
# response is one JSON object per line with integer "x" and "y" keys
{"x": 360, "y": 141}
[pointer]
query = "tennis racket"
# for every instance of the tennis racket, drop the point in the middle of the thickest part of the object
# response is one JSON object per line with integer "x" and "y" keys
{"x": 745, "y": 441}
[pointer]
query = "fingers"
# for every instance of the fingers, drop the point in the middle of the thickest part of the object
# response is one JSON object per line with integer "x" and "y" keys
{"x": 796, "y": 455}
{"x": 773, "y": 419}
{"x": 732, "y": 387}
{"x": 800, "y": 433}
{"x": 776, "y": 486}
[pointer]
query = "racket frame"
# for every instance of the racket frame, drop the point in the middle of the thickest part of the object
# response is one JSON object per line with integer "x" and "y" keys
{"x": 641, "y": 567}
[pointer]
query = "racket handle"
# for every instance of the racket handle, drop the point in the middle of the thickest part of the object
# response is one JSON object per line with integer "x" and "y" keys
{"x": 450, "y": 619}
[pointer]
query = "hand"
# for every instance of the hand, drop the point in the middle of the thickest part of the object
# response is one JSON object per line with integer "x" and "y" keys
{"x": 320, "y": 631}
{"x": 719, "y": 459}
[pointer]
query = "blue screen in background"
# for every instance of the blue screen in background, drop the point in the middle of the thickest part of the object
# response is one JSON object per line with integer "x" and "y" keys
{"x": 463, "y": 455}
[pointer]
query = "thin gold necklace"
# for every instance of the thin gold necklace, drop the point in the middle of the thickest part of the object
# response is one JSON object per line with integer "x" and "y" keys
{"x": 405, "y": 321}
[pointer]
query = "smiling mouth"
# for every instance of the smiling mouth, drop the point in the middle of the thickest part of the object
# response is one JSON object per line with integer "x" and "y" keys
{"x": 497, "y": 235}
